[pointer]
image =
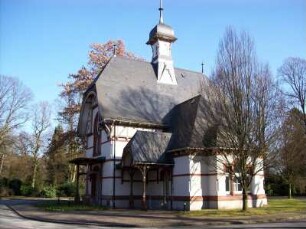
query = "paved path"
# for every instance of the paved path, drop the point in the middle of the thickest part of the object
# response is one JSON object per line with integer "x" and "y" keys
{"x": 9, "y": 219}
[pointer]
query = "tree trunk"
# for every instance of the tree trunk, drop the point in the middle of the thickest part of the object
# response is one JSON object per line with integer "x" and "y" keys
{"x": 1, "y": 163}
{"x": 72, "y": 173}
{"x": 34, "y": 173}
{"x": 244, "y": 199}
{"x": 290, "y": 191}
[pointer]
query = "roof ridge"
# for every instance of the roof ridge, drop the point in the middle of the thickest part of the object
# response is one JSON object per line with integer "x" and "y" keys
{"x": 188, "y": 70}
{"x": 132, "y": 59}
{"x": 148, "y": 62}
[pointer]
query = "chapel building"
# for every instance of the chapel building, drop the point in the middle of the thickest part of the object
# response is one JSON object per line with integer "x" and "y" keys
{"x": 145, "y": 126}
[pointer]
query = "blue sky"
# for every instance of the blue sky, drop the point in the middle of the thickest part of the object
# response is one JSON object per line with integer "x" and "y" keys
{"x": 42, "y": 41}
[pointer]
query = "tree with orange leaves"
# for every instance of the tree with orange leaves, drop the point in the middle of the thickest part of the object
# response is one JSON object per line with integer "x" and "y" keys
{"x": 72, "y": 91}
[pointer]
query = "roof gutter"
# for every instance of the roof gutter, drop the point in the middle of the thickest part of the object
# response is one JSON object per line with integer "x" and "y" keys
{"x": 133, "y": 123}
{"x": 202, "y": 149}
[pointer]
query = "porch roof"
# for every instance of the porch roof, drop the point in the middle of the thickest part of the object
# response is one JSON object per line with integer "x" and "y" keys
{"x": 148, "y": 148}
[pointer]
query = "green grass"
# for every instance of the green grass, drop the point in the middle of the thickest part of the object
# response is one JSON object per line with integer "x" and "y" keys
{"x": 66, "y": 206}
{"x": 275, "y": 206}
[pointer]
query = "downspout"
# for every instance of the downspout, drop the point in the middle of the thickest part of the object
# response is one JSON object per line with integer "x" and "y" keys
{"x": 114, "y": 169}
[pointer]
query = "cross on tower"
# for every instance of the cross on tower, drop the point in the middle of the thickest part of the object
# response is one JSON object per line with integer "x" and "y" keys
{"x": 161, "y": 19}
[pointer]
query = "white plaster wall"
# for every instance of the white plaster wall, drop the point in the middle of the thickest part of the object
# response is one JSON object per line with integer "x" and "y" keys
{"x": 127, "y": 132}
{"x": 221, "y": 185}
{"x": 104, "y": 137}
{"x": 181, "y": 184}
{"x": 108, "y": 169}
{"x": 107, "y": 150}
{"x": 89, "y": 152}
{"x": 211, "y": 182}
{"x": 203, "y": 176}
{"x": 195, "y": 176}
{"x": 122, "y": 189}
{"x": 181, "y": 165}
{"x": 119, "y": 147}
{"x": 90, "y": 141}
{"x": 257, "y": 185}
{"x": 196, "y": 186}
{"x": 107, "y": 187}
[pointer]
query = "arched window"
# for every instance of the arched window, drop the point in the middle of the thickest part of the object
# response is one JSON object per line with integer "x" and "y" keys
{"x": 97, "y": 137}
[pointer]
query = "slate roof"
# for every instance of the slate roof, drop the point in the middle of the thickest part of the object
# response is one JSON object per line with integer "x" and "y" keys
{"x": 127, "y": 89}
{"x": 149, "y": 147}
{"x": 193, "y": 124}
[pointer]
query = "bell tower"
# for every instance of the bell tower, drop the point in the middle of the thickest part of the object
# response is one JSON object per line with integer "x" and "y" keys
{"x": 161, "y": 38}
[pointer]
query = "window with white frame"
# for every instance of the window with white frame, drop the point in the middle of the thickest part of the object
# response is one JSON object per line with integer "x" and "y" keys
{"x": 237, "y": 183}
{"x": 232, "y": 181}
{"x": 227, "y": 182}
{"x": 228, "y": 179}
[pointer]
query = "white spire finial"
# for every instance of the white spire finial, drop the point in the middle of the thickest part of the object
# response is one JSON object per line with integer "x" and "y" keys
{"x": 161, "y": 19}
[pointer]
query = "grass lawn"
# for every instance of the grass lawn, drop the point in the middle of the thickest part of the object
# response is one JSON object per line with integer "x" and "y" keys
{"x": 65, "y": 206}
{"x": 275, "y": 206}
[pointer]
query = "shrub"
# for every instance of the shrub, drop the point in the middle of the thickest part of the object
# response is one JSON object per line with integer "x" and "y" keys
{"x": 4, "y": 182}
{"x": 49, "y": 191}
{"x": 67, "y": 189}
{"x": 5, "y": 191}
{"x": 27, "y": 190}
{"x": 15, "y": 185}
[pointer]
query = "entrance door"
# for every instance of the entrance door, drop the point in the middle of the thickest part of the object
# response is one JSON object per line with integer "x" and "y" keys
{"x": 93, "y": 185}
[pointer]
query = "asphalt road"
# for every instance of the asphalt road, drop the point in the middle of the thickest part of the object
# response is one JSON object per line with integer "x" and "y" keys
{"x": 10, "y": 220}
{"x": 289, "y": 224}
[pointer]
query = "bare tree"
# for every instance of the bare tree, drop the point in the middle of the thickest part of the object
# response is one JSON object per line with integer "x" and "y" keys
{"x": 245, "y": 102}
{"x": 292, "y": 159}
{"x": 293, "y": 73}
{"x": 33, "y": 143}
{"x": 14, "y": 98}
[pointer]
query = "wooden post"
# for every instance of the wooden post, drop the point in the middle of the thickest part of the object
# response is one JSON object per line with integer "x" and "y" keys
{"x": 144, "y": 181}
{"x": 77, "y": 194}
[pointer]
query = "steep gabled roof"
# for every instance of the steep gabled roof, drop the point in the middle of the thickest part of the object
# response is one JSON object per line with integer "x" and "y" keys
{"x": 128, "y": 90}
{"x": 193, "y": 125}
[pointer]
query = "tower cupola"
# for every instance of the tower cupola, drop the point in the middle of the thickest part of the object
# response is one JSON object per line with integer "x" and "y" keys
{"x": 161, "y": 38}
